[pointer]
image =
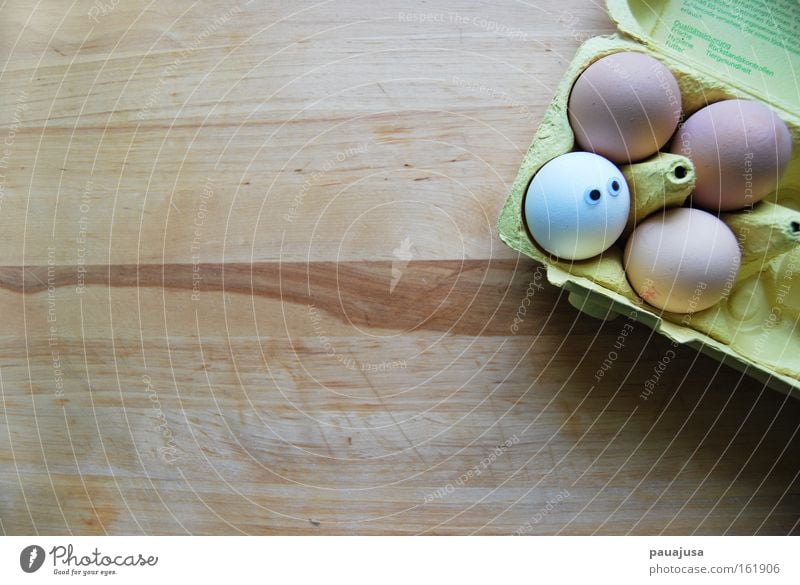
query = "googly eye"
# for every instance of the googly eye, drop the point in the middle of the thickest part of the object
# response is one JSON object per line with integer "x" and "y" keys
{"x": 614, "y": 187}
{"x": 592, "y": 196}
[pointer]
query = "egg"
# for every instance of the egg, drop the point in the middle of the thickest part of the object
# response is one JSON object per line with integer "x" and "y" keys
{"x": 739, "y": 149}
{"x": 577, "y": 205}
{"x": 624, "y": 106}
{"x": 682, "y": 260}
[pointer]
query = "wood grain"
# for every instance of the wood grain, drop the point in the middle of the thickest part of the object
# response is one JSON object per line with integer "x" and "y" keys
{"x": 251, "y": 283}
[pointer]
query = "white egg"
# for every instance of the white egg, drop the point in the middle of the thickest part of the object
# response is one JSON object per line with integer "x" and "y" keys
{"x": 577, "y": 205}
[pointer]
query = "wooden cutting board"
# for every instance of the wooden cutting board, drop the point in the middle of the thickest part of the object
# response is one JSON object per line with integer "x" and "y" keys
{"x": 251, "y": 283}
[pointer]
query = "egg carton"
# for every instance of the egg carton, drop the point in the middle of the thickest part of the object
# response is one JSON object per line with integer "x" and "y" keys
{"x": 756, "y": 329}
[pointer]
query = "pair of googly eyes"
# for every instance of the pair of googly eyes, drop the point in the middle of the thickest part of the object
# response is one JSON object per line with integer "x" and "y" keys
{"x": 593, "y": 195}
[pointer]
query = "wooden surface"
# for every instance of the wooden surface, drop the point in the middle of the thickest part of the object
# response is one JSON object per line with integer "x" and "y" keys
{"x": 296, "y": 314}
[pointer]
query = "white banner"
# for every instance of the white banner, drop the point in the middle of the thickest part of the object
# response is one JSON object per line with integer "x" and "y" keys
{"x": 402, "y": 560}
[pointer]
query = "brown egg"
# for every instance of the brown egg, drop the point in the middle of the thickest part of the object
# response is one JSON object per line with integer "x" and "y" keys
{"x": 624, "y": 106}
{"x": 739, "y": 149}
{"x": 682, "y": 260}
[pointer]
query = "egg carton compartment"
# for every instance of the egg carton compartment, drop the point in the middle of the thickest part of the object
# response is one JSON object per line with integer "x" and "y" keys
{"x": 756, "y": 327}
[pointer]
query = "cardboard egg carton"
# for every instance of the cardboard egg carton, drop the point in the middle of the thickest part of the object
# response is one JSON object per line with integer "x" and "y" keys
{"x": 713, "y": 56}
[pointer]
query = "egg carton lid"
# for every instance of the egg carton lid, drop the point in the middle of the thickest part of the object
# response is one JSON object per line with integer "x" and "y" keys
{"x": 754, "y": 46}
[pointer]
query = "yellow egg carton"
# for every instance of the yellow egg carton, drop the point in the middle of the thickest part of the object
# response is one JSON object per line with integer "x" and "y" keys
{"x": 716, "y": 51}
